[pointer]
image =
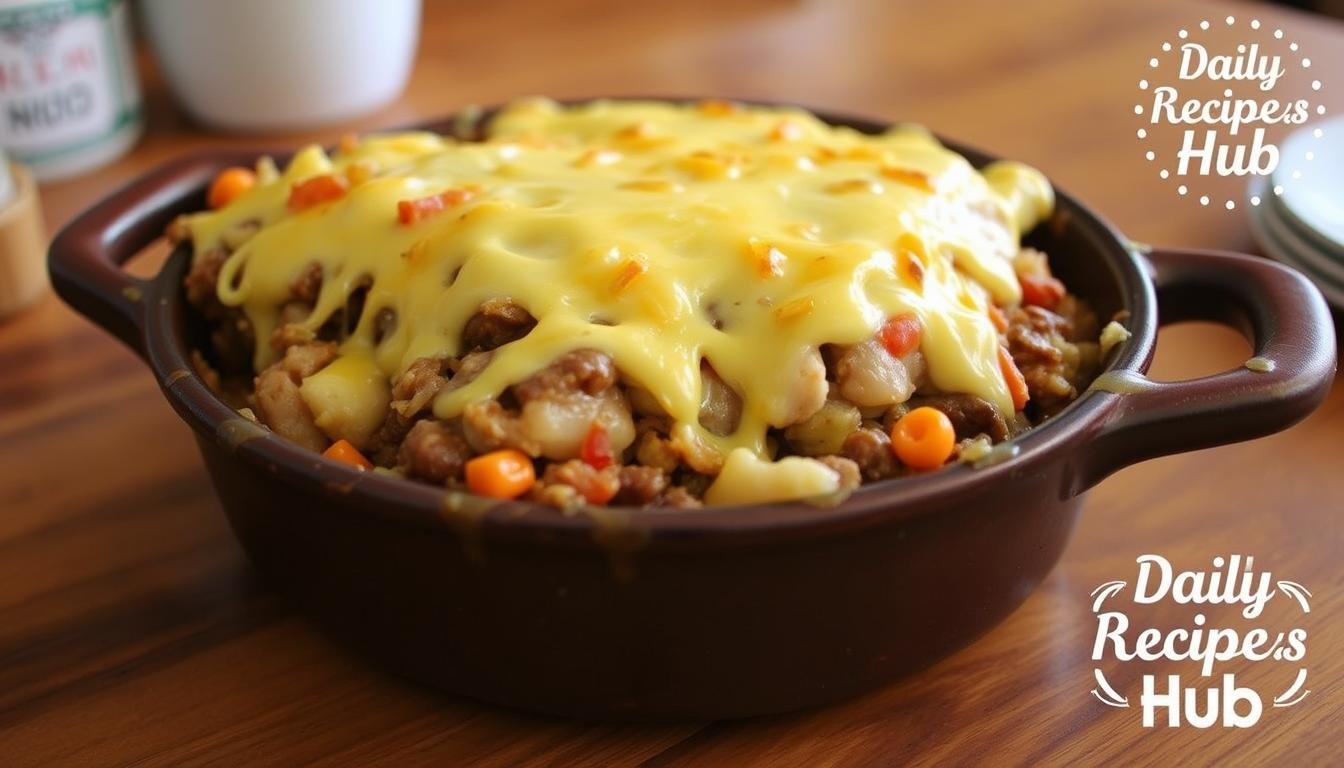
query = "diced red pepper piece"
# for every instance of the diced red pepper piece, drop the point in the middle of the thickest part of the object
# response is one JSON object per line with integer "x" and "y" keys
{"x": 317, "y": 190}
{"x": 596, "y": 448}
{"x": 901, "y": 334}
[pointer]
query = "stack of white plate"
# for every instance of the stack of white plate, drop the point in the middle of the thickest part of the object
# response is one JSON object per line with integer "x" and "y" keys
{"x": 1302, "y": 224}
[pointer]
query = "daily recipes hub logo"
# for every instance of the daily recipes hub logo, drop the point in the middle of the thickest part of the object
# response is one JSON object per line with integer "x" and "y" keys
{"x": 1217, "y": 101}
{"x": 1211, "y": 696}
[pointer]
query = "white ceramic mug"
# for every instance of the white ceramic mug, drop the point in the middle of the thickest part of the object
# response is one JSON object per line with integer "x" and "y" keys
{"x": 283, "y": 64}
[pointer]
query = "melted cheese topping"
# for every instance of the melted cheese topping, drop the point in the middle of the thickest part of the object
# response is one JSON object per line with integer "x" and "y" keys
{"x": 660, "y": 234}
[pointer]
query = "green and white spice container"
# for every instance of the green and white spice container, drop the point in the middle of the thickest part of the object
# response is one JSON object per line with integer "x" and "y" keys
{"x": 69, "y": 98}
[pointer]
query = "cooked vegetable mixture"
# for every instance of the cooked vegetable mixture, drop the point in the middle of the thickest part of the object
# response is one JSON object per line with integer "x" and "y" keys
{"x": 637, "y": 303}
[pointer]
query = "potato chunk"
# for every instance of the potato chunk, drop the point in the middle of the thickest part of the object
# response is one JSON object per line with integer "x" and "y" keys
{"x": 807, "y": 395}
{"x": 348, "y": 398}
{"x": 824, "y": 431}
{"x": 868, "y": 375}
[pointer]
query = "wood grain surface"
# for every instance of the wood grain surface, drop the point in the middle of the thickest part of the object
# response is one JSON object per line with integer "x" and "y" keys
{"x": 132, "y": 630}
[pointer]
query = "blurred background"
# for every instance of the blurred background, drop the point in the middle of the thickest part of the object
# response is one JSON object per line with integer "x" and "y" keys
{"x": 1333, "y": 8}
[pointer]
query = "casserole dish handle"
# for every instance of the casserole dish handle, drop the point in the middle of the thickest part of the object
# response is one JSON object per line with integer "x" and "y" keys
{"x": 86, "y": 256}
{"x": 1291, "y": 332}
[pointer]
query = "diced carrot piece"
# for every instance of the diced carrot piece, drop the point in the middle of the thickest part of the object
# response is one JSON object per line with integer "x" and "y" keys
{"x": 597, "y": 156}
{"x": 708, "y": 166}
{"x": 717, "y": 107}
{"x": 792, "y": 310}
{"x": 768, "y": 260}
{"x": 503, "y": 474}
{"x": 1017, "y": 385}
{"x": 229, "y": 185}
{"x": 627, "y": 273}
{"x": 786, "y": 130}
{"x": 344, "y": 452}
{"x": 923, "y": 438}
{"x": 917, "y": 179}
{"x": 651, "y": 185}
{"x": 849, "y": 186}
{"x": 640, "y": 130}
{"x": 1041, "y": 290}
{"x": 901, "y": 334}
{"x": 412, "y": 211}
{"x": 317, "y": 190}
{"x": 997, "y": 317}
{"x": 910, "y": 268}
{"x": 862, "y": 152}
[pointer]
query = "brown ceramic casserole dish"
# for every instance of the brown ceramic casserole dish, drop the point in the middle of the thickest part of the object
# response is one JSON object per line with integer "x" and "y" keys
{"x": 725, "y": 612}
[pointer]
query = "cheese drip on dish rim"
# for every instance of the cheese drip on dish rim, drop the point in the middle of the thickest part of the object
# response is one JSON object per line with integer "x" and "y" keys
{"x": 660, "y": 234}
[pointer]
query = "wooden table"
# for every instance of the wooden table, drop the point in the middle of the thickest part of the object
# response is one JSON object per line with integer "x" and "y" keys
{"x": 132, "y": 630}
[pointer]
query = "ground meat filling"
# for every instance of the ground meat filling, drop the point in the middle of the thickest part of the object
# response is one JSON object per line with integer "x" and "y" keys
{"x": 231, "y": 337}
{"x": 496, "y": 323}
{"x": 307, "y": 285}
{"x": 970, "y": 415}
{"x": 573, "y": 482}
{"x": 202, "y": 281}
{"x": 419, "y": 384}
{"x": 841, "y": 414}
{"x": 584, "y": 370}
{"x": 678, "y": 497}
{"x": 869, "y": 447}
{"x": 412, "y": 393}
{"x": 640, "y": 485}
{"x": 556, "y": 409}
{"x": 489, "y": 426}
{"x": 1046, "y": 347}
{"x": 433, "y": 452}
